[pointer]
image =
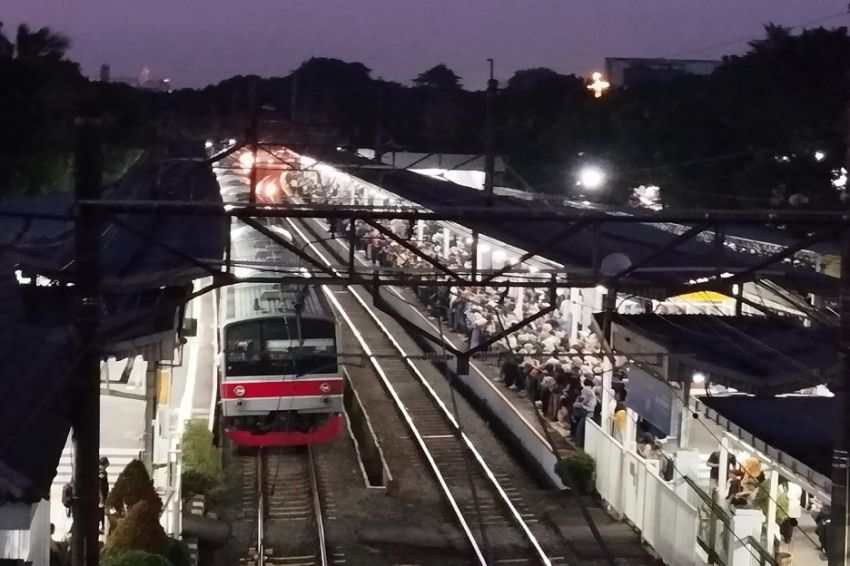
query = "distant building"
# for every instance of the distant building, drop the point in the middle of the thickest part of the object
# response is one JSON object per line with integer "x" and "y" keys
{"x": 144, "y": 81}
{"x": 624, "y": 71}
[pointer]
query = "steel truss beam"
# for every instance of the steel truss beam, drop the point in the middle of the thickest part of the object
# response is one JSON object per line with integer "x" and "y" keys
{"x": 819, "y": 236}
{"x": 669, "y": 246}
{"x": 566, "y": 233}
{"x": 463, "y": 214}
{"x": 516, "y": 326}
{"x": 413, "y": 249}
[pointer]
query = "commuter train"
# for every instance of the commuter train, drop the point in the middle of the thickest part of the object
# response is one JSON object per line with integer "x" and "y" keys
{"x": 279, "y": 376}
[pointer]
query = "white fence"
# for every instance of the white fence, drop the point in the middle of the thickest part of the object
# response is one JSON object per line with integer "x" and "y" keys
{"x": 635, "y": 491}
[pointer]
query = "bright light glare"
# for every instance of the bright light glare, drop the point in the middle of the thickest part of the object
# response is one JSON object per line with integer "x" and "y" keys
{"x": 591, "y": 177}
{"x": 820, "y": 156}
{"x": 243, "y": 272}
{"x": 208, "y": 144}
{"x": 839, "y": 178}
{"x": 246, "y": 160}
{"x": 699, "y": 377}
{"x": 237, "y": 233}
{"x": 231, "y": 141}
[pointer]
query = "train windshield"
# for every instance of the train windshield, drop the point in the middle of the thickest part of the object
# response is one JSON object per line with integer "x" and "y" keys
{"x": 275, "y": 347}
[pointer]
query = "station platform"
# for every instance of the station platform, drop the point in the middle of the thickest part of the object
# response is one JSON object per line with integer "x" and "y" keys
{"x": 488, "y": 370}
{"x": 514, "y": 411}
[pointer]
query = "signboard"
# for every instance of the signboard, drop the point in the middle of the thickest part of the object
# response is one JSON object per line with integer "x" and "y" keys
{"x": 652, "y": 399}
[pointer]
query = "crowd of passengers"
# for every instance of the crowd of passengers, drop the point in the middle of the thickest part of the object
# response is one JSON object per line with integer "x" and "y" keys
{"x": 562, "y": 377}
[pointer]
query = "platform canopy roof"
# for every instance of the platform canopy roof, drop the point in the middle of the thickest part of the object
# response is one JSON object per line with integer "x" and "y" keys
{"x": 801, "y": 426}
{"x": 754, "y": 354}
{"x": 144, "y": 287}
{"x": 672, "y": 273}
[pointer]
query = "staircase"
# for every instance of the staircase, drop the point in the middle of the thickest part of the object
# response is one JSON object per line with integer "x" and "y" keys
{"x": 118, "y": 458}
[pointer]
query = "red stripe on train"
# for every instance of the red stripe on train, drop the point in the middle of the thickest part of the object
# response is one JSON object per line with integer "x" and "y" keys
{"x": 281, "y": 388}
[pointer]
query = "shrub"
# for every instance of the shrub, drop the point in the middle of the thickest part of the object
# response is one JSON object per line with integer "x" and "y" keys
{"x": 202, "y": 471}
{"x": 178, "y": 553}
{"x": 133, "y": 558}
{"x": 579, "y": 472}
{"x": 138, "y": 530}
{"x": 132, "y": 486}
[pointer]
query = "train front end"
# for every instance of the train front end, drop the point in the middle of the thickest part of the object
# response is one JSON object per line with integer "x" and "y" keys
{"x": 280, "y": 382}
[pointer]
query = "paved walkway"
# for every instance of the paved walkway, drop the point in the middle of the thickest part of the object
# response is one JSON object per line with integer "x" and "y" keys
{"x": 121, "y": 428}
{"x": 193, "y": 383}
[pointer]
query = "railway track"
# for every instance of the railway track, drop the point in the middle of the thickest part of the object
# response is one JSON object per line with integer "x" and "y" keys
{"x": 282, "y": 490}
{"x": 490, "y": 512}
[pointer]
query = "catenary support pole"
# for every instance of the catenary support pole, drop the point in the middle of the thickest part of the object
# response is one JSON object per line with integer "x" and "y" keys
{"x": 489, "y": 136}
{"x": 86, "y": 391}
{"x": 838, "y": 539}
{"x": 254, "y": 138}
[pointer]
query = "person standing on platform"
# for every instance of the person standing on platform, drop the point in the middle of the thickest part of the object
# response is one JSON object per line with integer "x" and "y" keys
{"x": 583, "y": 408}
{"x": 103, "y": 489}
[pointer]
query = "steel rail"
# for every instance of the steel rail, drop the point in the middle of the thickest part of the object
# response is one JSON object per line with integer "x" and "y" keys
{"x": 402, "y": 410}
{"x": 261, "y": 505}
{"x": 488, "y": 473}
{"x": 317, "y": 508}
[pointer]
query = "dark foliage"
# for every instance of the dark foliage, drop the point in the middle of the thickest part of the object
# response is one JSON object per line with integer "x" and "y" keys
{"x": 133, "y": 486}
{"x": 134, "y": 558}
{"x": 744, "y": 136}
{"x": 138, "y": 530}
{"x": 579, "y": 472}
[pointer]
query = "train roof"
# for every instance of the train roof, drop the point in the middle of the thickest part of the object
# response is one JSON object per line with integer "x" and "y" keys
{"x": 246, "y": 301}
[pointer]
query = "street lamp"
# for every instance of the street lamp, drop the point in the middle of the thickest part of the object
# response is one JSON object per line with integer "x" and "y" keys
{"x": 599, "y": 85}
{"x": 591, "y": 177}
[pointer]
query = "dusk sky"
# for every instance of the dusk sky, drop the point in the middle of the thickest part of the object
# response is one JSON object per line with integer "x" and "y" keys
{"x": 195, "y": 42}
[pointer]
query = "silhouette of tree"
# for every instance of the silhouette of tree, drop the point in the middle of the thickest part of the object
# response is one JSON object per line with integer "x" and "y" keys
{"x": 439, "y": 77}
{"x": 7, "y": 50}
{"x": 42, "y": 43}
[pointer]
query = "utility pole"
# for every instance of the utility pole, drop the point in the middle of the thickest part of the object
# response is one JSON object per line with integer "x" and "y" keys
{"x": 293, "y": 98}
{"x": 489, "y": 158}
{"x": 85, "y": 401}
{"x": 838, "y": 537}
{"x": 253, "y": 137}
{"x": 379, "y": 125}
{"x": 838, "y": 552}
{"x": 489, "y": 135}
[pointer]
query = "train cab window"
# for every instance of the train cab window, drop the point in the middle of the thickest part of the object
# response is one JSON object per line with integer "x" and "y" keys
{"x": 272, "y": 347}
{"x": 243, "y": 342}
